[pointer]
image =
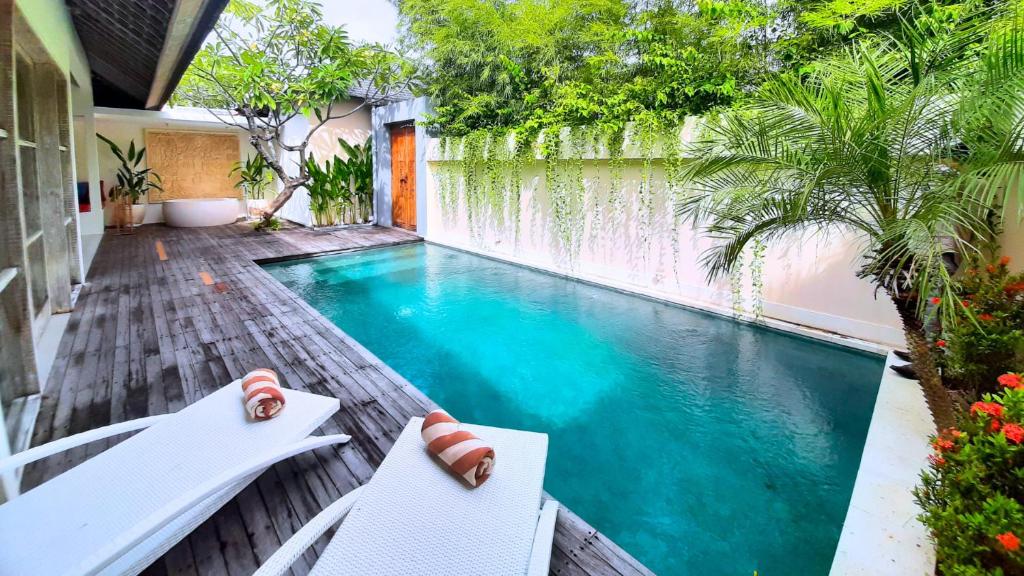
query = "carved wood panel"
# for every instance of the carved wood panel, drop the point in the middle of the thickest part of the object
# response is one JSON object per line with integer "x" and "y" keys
{"x": 192, "y": 164}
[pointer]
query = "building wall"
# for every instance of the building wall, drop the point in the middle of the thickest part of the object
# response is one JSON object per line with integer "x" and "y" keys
{"x": 122, "y": 126}
{"x": 808, "y": 279}
{"x": 323, "y": 145}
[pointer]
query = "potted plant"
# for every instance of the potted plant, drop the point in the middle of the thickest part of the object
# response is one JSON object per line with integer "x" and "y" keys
{"x": 254, "y": 177}
{"x": 133, "y": 181}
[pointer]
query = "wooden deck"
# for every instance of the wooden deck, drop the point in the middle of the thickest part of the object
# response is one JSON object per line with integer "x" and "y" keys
{"x": 169, "y": 315}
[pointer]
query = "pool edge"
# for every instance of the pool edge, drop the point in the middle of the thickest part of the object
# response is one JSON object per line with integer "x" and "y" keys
{"x": 876, "y": 348}
{"x": 881, "y": 534}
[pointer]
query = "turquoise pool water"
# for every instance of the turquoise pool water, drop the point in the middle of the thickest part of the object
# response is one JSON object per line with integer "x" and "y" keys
{"x": 702, "y": 446}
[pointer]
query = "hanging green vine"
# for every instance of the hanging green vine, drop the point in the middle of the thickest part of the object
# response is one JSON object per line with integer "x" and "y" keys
{"x": 757, "y": 277}
{"x": 736, "y": 287}
{"x": 673, "y": 183}
{"x": 646, "y": 132}
{"x": 615, "y": 141}
{"x": 448, "y": 177}
{"x": 473, "y": 181}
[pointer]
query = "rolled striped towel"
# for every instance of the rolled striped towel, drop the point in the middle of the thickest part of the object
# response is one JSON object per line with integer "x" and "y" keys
{"x": 469, "y": 457}
{"x": 263, "y": 396}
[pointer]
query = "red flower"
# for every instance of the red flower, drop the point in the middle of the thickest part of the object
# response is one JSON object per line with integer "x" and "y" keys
{"x": 1009, "y": 541}
{"x": 986, "y": 317}
{"x": 1014, "y": 433}
{"x": 994, "y": 426}
{"x": 1005, "y": 260}
{"x": 1011, "y": 380}
{"x": 991, "y": 269}
{"x": 936, "y": 300}
{"x": 1015, "y": 288}
{"x": 992, "y": 409}
{"x": 943, "y": 444}
{"x": 940, "y": 343}
{"x": 965, "y": 303}
{"x": 936, "y": 459}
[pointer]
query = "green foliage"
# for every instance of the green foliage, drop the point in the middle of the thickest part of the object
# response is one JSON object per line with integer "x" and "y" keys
{"x": 991, "y": 342}
{"x": 271, "y": 224}
{"x": 133, "y": 181}
{"x": 341, "y": 190}
{"x": 254, "y": 176}
{"x": 865, "y": 142}
{"x": 328, "y": 191}
{"x": 971, "y": 494}
{"x": 358, "y": 165}
{"x": 269, "y": 62}
{"x": 538, "y": 64}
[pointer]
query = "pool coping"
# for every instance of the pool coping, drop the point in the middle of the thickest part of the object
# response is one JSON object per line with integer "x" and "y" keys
{"x": 881, "y": 535}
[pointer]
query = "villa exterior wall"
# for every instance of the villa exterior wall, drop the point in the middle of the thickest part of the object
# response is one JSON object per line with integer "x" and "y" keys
{"x": 323, "y": 145}
{"x": 808, "y": 279}
{"x": 122, "y": 126}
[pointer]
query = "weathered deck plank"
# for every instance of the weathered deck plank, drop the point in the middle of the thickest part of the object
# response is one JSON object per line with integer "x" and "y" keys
{"x": 149, "y": 337}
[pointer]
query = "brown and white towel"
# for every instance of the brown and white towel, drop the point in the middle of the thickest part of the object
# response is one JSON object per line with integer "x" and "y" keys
{"x": 263, "y": 396}
{"x": 469, "y": 457}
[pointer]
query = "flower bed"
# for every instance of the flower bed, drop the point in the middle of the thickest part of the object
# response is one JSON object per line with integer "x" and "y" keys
{"x": 973, "y": 492}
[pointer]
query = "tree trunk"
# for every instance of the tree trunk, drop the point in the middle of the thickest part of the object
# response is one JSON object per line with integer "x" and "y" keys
{"x": 921, "y": 354}
{"x": 279, "y": 201}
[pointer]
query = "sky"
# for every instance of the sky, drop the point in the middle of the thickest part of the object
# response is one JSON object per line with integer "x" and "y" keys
{"x": 365, "y": 20}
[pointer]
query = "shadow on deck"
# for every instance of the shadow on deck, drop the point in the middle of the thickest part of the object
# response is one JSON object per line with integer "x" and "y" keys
{"x": 151, "y": 335}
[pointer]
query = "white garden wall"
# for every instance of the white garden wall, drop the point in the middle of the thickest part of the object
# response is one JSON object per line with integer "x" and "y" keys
{"x": 808, "y": 279}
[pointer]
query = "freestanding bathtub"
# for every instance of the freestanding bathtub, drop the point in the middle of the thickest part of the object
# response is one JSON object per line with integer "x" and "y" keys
{"x": 201, "y": 212}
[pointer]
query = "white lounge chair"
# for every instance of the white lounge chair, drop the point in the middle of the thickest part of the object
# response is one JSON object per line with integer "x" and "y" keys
{"x": 122, "y": 509}
{"x": 414, "y": 518}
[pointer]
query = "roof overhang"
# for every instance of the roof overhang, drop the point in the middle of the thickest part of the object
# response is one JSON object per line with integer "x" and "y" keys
{"x": 139, "y": 49}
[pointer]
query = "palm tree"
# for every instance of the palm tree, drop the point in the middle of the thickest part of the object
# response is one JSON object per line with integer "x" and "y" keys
{"x": 870, "y": 142}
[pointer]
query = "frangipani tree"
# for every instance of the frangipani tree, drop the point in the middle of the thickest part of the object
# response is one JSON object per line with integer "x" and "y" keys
{"x": 267, "y": 63}
{"x": 882, "y": 141}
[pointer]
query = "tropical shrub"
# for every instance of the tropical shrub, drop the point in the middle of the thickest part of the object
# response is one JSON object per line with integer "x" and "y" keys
{"x": 972, "y": 494}
{"x": 328, "y": 190}
{"x": 341, "y": 190}
{"x": 254, "y": 176}
{"x": 359, "y": 166}
{"x": 991, "y": 341}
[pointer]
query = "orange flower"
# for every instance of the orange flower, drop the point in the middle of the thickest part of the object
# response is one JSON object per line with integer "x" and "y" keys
{"x": 943, "y": 444}
{"x": 1009, "y": 541}
{"x": 936, "y": 459}
{"x": 991, "y": 409}
{"x": 940, "y": 343}
{"x": 1011, "y": 380}
{"x": 986, "y": 317}
{"x": 1004, "y": 261}
{"x": 936, "y": 300}
{"x": 1014, "y": 288}
{"x": 991, "y": 269}
{"x": 1014, "y": 433}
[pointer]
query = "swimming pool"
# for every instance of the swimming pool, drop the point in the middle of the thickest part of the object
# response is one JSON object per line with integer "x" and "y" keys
{"x": 701, "y": 445}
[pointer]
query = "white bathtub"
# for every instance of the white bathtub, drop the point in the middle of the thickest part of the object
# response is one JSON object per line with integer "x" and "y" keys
{"x": 200, "y": 212}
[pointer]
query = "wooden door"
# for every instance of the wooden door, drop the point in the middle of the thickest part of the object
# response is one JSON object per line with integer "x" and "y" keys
{"x": 403, "y": 177}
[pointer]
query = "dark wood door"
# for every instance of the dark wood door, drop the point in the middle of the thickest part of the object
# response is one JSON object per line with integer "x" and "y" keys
{"x": 403, "y": 177}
